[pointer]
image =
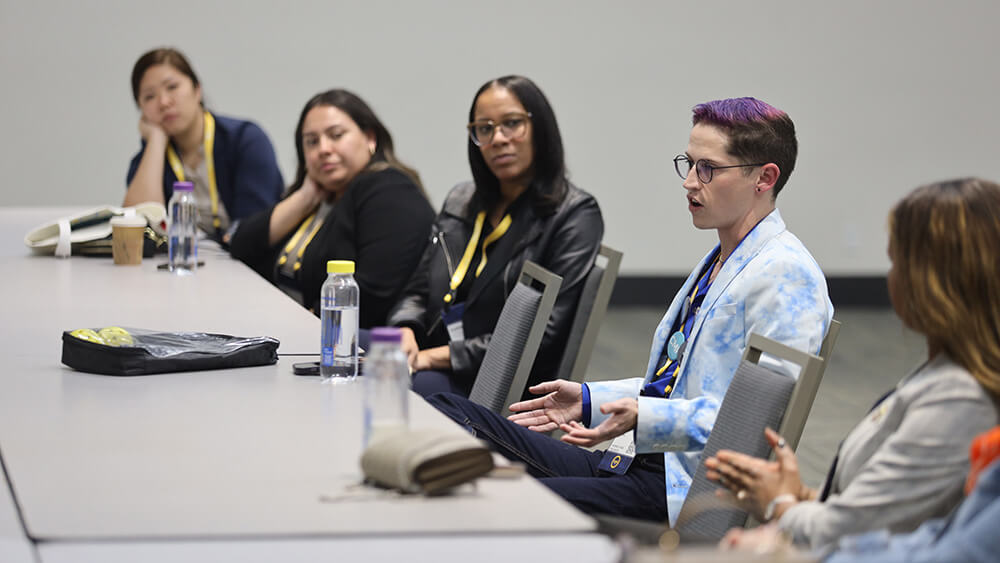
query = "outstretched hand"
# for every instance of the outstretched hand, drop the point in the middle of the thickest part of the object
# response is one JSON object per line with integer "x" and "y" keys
{"x": 754, "y": 482}
{"x": 623, "y": 415}
{"x": 562, "y": 403}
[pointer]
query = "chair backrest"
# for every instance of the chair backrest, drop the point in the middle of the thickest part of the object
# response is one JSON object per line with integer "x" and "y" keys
{"x": 590, "y": 311}
{"x": 802, "y": 399}
{"x": 514, "y": 344}
{"x": 757, "y": 398}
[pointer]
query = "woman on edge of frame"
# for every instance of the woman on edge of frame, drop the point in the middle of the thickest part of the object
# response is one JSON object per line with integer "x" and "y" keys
{"x": 906, "y": 461}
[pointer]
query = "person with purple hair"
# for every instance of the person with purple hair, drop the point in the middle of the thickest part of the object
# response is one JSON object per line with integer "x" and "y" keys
{"x": 759, "y": 278}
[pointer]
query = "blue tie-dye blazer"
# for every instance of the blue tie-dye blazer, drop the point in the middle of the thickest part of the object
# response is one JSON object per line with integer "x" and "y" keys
{"x": 770, "y": 285}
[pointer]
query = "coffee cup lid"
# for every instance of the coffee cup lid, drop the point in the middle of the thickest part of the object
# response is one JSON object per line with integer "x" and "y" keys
{"x": 133, "y": 221}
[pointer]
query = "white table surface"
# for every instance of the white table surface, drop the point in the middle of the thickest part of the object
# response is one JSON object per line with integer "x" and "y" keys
{"x": 244, "y": 454}
{"x": 494, "y": 548}
{"x": 14, "y": 545}
{"x": 44, "y": 295}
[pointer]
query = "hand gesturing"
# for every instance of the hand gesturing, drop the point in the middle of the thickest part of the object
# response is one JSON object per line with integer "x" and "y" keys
{"x": 562, "y": 404}
{"x": 623, "y": 415}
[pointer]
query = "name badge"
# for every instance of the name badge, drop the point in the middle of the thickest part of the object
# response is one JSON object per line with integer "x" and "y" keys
{"x": 675, "y": 346}
{"x": 452, "y": 317}
{"x": 619, "y": 455}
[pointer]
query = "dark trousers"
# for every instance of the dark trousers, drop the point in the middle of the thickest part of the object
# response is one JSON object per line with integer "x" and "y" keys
{"x": 570, "y": 471}
{"x": 429, "y": 382}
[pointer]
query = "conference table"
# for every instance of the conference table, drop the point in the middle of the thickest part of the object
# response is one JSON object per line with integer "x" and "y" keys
{"x": 242, "y": 464}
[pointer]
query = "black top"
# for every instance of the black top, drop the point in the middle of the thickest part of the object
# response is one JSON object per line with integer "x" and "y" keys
{"x": 381, "y": 223}
{"x": 564, "y": 241}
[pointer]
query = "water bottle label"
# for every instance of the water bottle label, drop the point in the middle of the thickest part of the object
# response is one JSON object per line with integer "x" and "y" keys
{"x": 339, "y": 341}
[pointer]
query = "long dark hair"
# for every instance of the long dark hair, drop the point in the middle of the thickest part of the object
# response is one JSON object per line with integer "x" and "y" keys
{"x": 366, "y": 120}
{"x": 548, "y": 186}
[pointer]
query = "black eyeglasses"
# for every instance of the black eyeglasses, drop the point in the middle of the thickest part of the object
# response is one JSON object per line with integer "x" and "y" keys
{"x": 682, "y": 164}
{"x": 513, "y": 125}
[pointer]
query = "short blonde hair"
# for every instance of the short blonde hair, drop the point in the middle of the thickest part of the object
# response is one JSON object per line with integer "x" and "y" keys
{"x": 945, "y": 245}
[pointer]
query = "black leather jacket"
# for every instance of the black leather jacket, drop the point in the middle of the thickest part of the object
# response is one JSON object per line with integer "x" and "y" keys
{"x": 564, "y": 242}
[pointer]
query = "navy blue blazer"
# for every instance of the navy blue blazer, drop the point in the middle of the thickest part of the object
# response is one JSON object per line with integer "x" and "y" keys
{"x": 246, "y": 170}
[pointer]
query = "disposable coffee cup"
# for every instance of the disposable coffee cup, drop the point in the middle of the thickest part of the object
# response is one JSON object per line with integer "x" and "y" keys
{"x": 126, "y": 239}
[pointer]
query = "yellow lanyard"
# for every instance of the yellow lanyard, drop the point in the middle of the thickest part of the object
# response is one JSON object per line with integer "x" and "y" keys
{"x": 295, "y": 240}
{"x": 660, "y": 371}
{"x": 470, "y": 251}
{"x": 175, "y": 163}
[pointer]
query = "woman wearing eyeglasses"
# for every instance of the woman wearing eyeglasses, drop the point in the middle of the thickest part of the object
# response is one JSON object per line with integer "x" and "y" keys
{"x": 230, "y": 161}
{"x": 352, "y": 199}
{"x": 519, "y": 206}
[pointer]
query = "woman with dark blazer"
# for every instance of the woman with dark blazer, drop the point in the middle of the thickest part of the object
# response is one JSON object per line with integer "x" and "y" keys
{"x": 230, "y": 161}
{"x": 351, "y": 200}
{"x": 519, "y": 206}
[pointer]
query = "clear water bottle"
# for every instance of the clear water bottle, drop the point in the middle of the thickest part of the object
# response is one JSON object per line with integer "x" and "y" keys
{"x": 339, "y": 323}
{"x": 183, "y": 232}
{"x": 387, "y": 386}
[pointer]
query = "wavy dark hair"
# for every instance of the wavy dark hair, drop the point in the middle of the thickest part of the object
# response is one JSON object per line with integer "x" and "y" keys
{"x": 366, "y": 120}
{"x": 161, "y": 56}
{"x": 548, "y": 186}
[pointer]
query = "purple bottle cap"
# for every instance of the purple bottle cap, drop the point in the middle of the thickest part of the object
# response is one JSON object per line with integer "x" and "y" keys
{"x": 386, "y": 334}
{"x": 184, "y": 186}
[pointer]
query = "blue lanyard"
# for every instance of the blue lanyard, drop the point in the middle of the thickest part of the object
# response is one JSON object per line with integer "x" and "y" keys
{"x": 660, "y": 385}
{"x": 696, "y": 298}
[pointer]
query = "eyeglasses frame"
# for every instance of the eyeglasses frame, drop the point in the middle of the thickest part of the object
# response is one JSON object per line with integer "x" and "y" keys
{"x": 472, "y": 135}
{"x": 693, "y": 165}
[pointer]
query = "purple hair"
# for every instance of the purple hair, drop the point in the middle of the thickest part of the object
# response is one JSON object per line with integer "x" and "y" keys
{"x": 757, "y": 132}
{"x": 733, "y": 111}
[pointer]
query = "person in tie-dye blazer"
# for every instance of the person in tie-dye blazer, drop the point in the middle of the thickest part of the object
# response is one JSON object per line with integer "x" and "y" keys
{"x": 759, "y": 278}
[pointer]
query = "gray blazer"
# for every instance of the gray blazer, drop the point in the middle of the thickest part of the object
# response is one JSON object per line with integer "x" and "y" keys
{"x": 905, "y": 462}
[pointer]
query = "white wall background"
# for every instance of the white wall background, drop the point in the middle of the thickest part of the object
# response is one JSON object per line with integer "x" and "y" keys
{"x": 885, "y": 95}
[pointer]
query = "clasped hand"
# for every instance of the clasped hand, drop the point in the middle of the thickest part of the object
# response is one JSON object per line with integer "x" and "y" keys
{"x": 754, "y": 482}
{"x": 562, "y": 407}
{"x": 438, "y": 357}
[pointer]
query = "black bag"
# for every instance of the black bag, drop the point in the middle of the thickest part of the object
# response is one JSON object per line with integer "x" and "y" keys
{"x": 117, "y": 351}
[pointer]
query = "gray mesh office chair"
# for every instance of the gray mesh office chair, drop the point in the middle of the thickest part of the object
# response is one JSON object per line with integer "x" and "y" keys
{"x": 514, "y": 344}
{"x": 590, "y": 311}
{"x": 757, "y": 398}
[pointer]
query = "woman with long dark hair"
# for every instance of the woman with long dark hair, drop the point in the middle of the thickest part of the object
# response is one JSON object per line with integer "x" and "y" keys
{"x": 520, "y": 206}
{"x": 352, "y": 199}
